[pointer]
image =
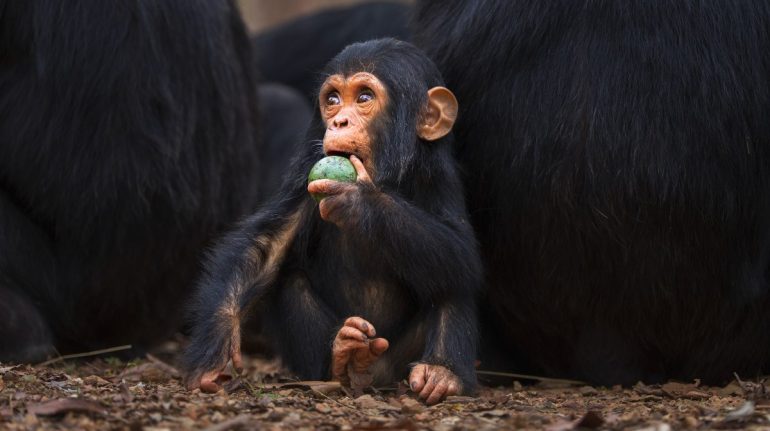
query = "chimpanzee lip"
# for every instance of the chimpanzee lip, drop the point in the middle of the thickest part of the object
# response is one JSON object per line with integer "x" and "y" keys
{"x": 338, "y": 153}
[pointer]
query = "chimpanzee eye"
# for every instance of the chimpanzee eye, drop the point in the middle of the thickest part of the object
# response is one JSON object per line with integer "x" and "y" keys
{"x": 332, "y": 98}
{"x": 365, "y": 95}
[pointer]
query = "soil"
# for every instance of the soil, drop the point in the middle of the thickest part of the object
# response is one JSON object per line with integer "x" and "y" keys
{"x": 146, "y": 394}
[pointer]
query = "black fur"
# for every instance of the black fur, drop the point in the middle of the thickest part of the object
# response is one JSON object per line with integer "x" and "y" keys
{"x": 408, "y": 262}
{"x": 127, "y": 140}
{"x": 616, "y": 166}
{"x": 295, "y": 52}
{"x": 284, "y": 118}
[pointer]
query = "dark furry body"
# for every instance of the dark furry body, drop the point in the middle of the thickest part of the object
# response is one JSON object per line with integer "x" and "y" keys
{"x": 408, "y": 263}
{"x": 127, "y": 140}
{"x": 617, "y": 175}
{"x": 294, "y": 53}
{"x": 285, "y": 115}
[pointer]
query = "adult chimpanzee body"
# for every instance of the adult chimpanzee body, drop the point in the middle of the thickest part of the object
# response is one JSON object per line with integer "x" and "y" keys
{"x": 294, "y": 53}
{"x": 388, "y": 263}
{"x": 284, "y": 116}
{"x": 616, "y": 161}
{"x": 127, "y": 139}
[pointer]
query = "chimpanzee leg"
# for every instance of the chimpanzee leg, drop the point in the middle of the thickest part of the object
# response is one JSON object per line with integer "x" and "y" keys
{"x": 26, "y": 278}
{"x": 302, "y": 328}
{"x": 447, "y": 365}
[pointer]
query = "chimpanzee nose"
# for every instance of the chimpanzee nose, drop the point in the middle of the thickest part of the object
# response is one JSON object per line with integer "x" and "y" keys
{"x": 340, "y": 122}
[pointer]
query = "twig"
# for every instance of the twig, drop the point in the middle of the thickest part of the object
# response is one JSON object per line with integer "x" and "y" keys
{"x": 168, "y": 369}
{"x": 529, "y": 377}
{"x": 312, "y": 389}
{"x": 332, "y": 399}
{"x": 83, "y": 355}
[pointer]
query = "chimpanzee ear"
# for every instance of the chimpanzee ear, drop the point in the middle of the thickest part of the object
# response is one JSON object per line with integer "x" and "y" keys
{"x": 437, "y": 121}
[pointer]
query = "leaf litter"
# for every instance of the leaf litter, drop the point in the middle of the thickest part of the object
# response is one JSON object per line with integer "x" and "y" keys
{"x": 147, "y": 394}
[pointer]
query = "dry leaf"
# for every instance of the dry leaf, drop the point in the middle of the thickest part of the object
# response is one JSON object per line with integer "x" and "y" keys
{"x": 677, "y": 389}
{"x": 494, "y": 413}
{"x": 96, "y": 381}
{"x": 367, "y": 402}
{"x": 64, "y": 405}
{"x": 458, "y": 399}
{"x": 410, "y": 405}
{"x": 743, "y": 412}
{"x": 697, "y": 395}
{"x": 233, "y": 423}
{"x": 319, "y": 386}
{"x": 323, "y": 408}
{"x": 148, "y": 372}
{"x": 561, "y": 425}
{"x": 734, "y": 388}
{"x": 591, "y": 420}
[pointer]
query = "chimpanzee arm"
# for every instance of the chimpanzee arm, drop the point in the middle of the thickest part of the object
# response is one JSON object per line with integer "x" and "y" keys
{"x": 241, "y": 268}
{"x": 431, "y": 250}
{"x": 435, "y": 253}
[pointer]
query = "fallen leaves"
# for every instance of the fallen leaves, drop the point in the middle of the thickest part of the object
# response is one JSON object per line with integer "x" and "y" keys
{"x": 148, "y": 395}
{"x": 743, "y": 412}
{"x": 65, "y": 405}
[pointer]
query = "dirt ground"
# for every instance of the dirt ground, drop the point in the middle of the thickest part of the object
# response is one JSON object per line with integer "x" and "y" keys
{"x": 146, "y": 394}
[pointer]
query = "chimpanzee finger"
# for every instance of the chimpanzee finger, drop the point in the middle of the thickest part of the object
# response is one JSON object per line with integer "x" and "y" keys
{"x": 417, "y": 378}
{"x": 340, "y": 359}
{"x": 328, "y": 187}
{"x": 364, "y": 326}
{"x": 453, "y": 389}
{"x": 430, "y": 384}
{"x": 352, "y": 333}
{"x": 378, "y": 346}
{"x": 330, "y": 206}
{"x": 342, "y": 352}
{"x": 362, "y": 176}
{"x": 362, "y": 359}
{"x": 439, "y": 393}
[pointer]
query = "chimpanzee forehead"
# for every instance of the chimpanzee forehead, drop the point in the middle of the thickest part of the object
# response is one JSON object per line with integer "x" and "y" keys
{"x": 392, "y": 61}
{"x": 357, "y": 78}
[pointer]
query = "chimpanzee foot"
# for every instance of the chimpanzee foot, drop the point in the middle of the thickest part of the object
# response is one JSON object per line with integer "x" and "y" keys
{"x": 433, "y": 383}
{"x": 355, "y": 350}
{"x": 207, "y": 380}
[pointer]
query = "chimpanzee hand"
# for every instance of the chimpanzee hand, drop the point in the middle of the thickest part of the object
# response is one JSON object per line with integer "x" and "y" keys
{"x": 342, "y": 200}
{"x": 207, "y": 380}
{"x": 354, "y": 349}
{"x": 433, "y": 383}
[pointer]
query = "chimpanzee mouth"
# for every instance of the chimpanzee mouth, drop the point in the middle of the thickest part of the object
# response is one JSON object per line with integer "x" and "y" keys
{"x": 339, "y": 153}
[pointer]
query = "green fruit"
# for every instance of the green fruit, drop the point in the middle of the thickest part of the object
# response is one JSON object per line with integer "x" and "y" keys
{"x": 332, "y": 168}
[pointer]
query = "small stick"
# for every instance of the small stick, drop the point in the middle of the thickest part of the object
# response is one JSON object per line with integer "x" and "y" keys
{"x": 83, "y": 355}
{"x": 172, "y": 371}
{"x": 332, "y": 399}
{"x": 528, "y": 377}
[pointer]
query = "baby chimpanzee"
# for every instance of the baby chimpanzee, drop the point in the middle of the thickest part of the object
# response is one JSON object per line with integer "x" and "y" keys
{"x": 381, "y": 275}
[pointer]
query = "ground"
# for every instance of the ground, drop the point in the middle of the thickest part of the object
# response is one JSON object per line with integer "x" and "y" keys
{"x": 146, "y": 394}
